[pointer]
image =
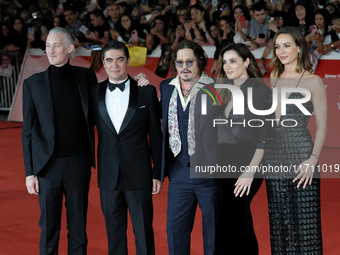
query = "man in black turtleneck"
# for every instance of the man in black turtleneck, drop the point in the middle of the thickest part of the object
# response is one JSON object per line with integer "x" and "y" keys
{"x": 57, "y": 139}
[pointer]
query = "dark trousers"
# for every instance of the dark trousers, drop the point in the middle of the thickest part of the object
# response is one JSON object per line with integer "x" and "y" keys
{"x": 115, "y": 204}
{"x": 69, "y": 176}
{"x": 182, "y": 203}
{"x": 235, "y": 233}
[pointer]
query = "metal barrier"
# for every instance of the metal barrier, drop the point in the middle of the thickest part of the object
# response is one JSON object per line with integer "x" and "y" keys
{"x": 8, "y": 85}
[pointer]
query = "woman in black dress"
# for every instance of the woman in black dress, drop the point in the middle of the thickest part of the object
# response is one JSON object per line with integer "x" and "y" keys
{"x": 294, "y": 196}
{"x": 239, "y": 146}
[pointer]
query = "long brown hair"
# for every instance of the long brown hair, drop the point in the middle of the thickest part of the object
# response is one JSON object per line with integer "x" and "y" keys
{"x": 303, "y": 61}
{"x": 243, "y": 52}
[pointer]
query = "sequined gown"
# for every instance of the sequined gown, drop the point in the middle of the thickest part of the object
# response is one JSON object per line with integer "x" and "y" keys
{"x": 294, "y": 213}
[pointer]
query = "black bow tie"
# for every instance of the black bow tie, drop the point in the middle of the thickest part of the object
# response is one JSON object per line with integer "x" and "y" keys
{"x": 113, "y": 86}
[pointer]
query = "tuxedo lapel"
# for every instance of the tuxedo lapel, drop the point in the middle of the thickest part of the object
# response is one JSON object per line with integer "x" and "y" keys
{"x": 102, "y": 107}
{"x": 133, "y": 103}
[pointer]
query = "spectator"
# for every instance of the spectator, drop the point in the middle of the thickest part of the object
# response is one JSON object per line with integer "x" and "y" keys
{"x": 5, "y": 71}
{"x": 178, "y": 25}
{"x": 124, "y": 7}
{"x": 73, "y": 25}
{"x": 198, "y": 28}
{"x": 6, "y": 42}
{"x": 19, "y": 35}
{"x": 214, "y": 32}
{"x": 241, "y": 29}
{"x": 155, "y": 11}
{"x": 302, "y": 18}
{"x": 25, "y": 15}
{"x": 37, "y": 37}
{"x": 114, "y": 15}
{"x": 279, "y": 19}
{"x": 182, "y": 15}
{"x": 333, "y": 10}
{"x": 323, "y": 23}
{"x": 259, "y": 31}
{"x": 127, "y": 28}
{"x": 178, "y": 36}
{"x": 10, "y": 10}
{"x": 159, "y": 35}
{"x": 59, "y": 21}
{"x": 277, "y": 5}
{"x": 99, "y": 27}
{"x": 225, "y": 36}
{"x": 332, "y": 41}
{"x": 6, "y": 68}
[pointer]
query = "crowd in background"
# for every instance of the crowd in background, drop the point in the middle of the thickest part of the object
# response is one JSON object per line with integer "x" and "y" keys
{"x": 25, "y": 23}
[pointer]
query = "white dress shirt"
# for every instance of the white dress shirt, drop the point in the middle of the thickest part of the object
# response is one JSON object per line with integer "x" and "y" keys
{"x": 117, "y": 102}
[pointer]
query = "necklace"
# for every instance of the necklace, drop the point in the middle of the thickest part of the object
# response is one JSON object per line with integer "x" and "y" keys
{"x": 186, "y": 95}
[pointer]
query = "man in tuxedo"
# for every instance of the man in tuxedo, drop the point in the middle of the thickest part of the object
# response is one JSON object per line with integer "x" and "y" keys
{"x": 128, "y": 121}
{"x": 183, "y": 132}
{"x": 57, "y": 141}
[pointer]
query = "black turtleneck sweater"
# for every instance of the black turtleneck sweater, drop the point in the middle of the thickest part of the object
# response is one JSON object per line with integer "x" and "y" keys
{"x": 71, "y": 137}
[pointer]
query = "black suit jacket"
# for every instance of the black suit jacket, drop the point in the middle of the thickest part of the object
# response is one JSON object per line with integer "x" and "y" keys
{"x": 139, "y": 140}
{"x": 38, "y": 133}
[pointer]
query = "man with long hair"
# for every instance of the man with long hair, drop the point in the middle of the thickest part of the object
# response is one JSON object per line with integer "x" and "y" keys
{"x": 180, "y": 99}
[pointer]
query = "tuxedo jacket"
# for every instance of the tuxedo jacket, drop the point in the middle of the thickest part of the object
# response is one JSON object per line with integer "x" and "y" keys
{"x": 205, "y": 135}
{"x": 132, "y": 151}
{"x": 38, "y": 132}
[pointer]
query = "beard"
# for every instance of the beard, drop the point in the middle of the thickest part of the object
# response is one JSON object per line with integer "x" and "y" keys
{"x": 186, "y": 79}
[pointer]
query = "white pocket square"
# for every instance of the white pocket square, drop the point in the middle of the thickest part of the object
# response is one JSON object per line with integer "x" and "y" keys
{"x": 143, "y": 106}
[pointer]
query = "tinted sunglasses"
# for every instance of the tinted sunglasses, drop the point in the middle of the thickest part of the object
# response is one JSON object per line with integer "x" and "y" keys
{"x": 189, "y": 63}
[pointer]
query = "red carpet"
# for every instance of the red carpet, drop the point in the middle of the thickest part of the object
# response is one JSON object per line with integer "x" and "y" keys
{"x": 19, "y": 211}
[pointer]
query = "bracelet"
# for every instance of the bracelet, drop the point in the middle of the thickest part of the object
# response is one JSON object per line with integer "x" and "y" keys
{"x": 206, "y": 31}
{"x": 315, "y": 156}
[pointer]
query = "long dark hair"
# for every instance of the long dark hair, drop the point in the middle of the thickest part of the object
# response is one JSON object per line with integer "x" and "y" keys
{"x": 244, "y": 9}
{"x": 327, "y": 19}
{"x": 165, "y": 24}
{"x": 202, "y": 9}
{"x": 201, "y": 56}
{"x": 303, "y": 57}
{"x": 309, "y": 15}
{"x": 243, "y": 52}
